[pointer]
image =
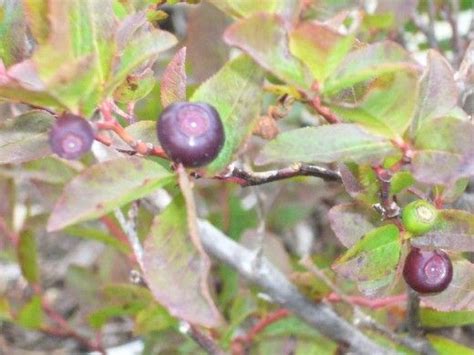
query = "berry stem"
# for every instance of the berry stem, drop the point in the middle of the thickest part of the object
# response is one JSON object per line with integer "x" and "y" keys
{"x": 413, "y": 313}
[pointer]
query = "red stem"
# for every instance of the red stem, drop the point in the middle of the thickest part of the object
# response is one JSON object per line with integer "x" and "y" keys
{"x": 367, "y": 302}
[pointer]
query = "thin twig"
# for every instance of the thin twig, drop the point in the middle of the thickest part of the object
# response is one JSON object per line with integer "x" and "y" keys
{"x": 247, "y": 339}
{"x": 362, "y": 301}
{"x": 132, "y": 235}
{"x": 451, "y": 11}
{"x": 427, "y": 30}
{"x": 251, "y": 178}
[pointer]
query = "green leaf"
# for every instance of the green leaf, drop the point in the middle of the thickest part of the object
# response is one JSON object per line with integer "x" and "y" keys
{"x": 28, "y": 257}
{"x": 139, "y": 50}
{"x": 173, "y": 82}
{"x": 438, "y": 91}
{"x": 25, "y": 137}
{"x": 13, "y": 46}
{"x": 453, "y": 230}
{"x": 5, "y": 312}
{"x": 445, "y": 346}
{"x": 326, "y": 144}
{"x": 103, "y": 187}
{"x": 373, "y": 259}
{"x": 31, "y": 314}
{"x": 400, "y": 181}
{"x": 443, "y": 142}
{"x": 135, "y": 87}
{"x": 265, "y": 38}
{"x": 172, "y": 268}
{"x": 431, "y": 318}
{"x": 459, "y": 296}
{"x": 99, "y": 236}
{"x": 99, "y": 318}
{"x": 155, "y": 318}
{"x": 320, "y": 47}
{"x": 366, "y": 63}
{"x": 244, "y": 8}
{"x": 387, "y": 107}
{"x": 235, "y": 91}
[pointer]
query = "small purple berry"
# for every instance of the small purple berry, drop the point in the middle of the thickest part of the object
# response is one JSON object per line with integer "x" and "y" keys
{"x": 71, "y": 136}
{"x": 191, "y": 133}
{"x": 428, "y": 271}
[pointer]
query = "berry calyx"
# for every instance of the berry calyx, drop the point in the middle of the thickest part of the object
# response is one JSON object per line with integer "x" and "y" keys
{"x": 427, "y": 271}
{"x": 419, "y": 217}
{"x": 71, "y": 136}
{"x": 191, "y": 133}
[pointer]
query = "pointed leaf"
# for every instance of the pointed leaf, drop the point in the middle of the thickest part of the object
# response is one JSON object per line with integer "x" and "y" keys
{"x": 36, "y": 14}
{"x": 103, "y": 187}
{"x": 320, "y": 47}
{"x": 326, "y": 144}
{"x": 460, "y": 293}
{"x": 173, "y": 82}
{"x": 25, "y": 137}
{"x": 367, "y": 63}
{"x": 446, "y": 346}
{"x": 31, "y": 314}
{"x": 235, "y": 91}
{"x": 454, "y": 230}
{"x": 28, "y": 258}
{"x": 171, "y": 268}
{"x": 265, "y": 38}
{"x": 438, "y": 91}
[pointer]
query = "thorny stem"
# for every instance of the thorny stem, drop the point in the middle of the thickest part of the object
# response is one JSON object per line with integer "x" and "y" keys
{"x": 250, "y": 178}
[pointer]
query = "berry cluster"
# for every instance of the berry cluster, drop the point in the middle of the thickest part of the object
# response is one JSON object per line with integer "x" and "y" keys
{"x": 190, "y": 133}
{"x": 425, "y": 271}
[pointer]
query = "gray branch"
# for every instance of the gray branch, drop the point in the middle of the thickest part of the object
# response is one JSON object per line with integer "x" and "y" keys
{"x": 277, "y": 286}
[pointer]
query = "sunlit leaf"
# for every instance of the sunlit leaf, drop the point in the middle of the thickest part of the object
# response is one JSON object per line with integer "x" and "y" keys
{"x": 244, "y": 8}
{"x": 431, "y": 318}
{"x": 31, "y": 314}
{"x": 445, "y": 346}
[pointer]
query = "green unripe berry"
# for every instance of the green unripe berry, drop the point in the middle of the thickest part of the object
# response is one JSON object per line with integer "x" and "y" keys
{"x": 419, "y": 217}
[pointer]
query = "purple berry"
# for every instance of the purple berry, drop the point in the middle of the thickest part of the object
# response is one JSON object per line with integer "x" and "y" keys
{"x": 71, "y": 136}
{"x": 428, "y": 271}
{"x": 191, "y": 133}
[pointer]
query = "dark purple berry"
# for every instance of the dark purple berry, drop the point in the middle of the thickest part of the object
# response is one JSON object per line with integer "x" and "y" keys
{"x": 428, "y": 271}
{"x": 71, "y": 136}
{"x": 190, "y": 133}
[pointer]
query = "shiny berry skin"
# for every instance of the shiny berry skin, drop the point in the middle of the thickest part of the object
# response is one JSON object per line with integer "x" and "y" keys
{"x": 419, "y": 217}
{"x": 191, "y": 133}
{"x": 71, "y": 136}
{"x": 428, "y": 271}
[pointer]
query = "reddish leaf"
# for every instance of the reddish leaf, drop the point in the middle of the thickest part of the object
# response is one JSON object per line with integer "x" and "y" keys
{"x": 351, "y": 221}
{"x": 454, "y": 230}
{"x": 265, "y": 38}
{"x": 460, "y": 293}
{"x": 438, "y": 90}
{"x": 173, "y": 268}
{"x": 173, "y": 83}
